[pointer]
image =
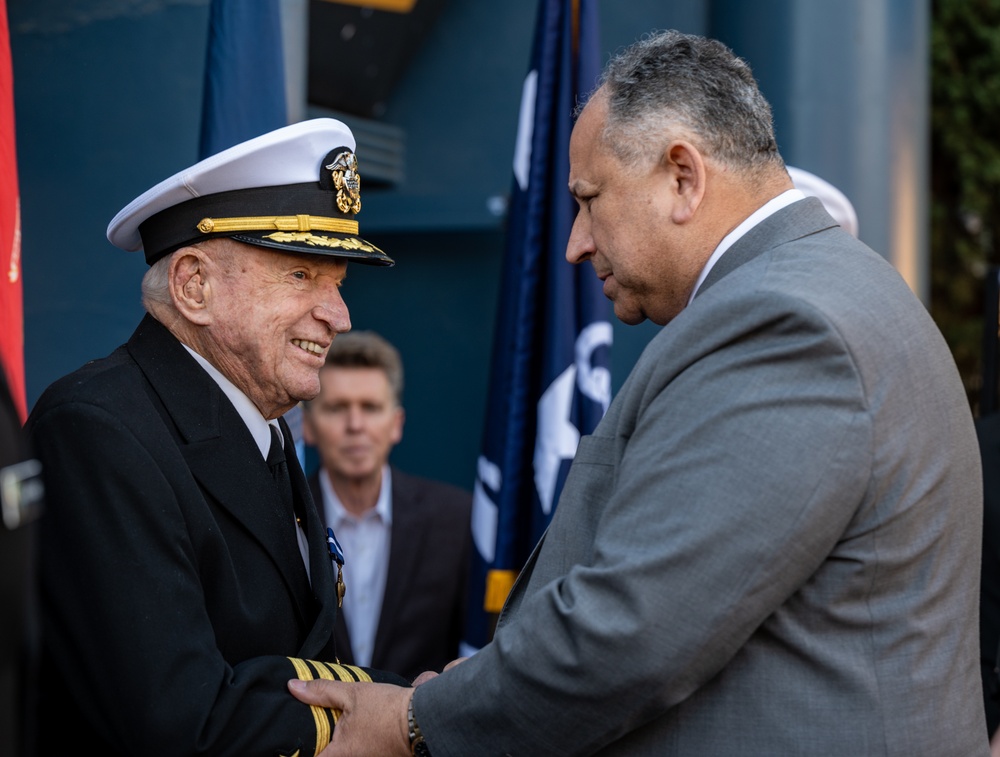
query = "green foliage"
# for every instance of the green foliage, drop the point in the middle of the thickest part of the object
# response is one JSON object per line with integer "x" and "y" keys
{"x": 965, "y": 173}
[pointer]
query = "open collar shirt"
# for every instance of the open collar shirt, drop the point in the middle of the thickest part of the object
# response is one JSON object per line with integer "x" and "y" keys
{"x": 365, "y": 541}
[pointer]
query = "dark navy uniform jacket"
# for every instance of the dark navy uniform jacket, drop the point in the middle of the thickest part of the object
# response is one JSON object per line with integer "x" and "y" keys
{"x": 175, "y": 603}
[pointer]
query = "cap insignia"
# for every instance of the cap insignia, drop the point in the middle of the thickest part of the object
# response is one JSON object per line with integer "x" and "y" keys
{"x": 347, "y": 180}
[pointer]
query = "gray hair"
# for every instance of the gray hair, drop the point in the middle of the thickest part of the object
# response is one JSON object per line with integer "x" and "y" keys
{"x": 156, "y": 281}
{"x": 366, "y": 349}
{"x": 155, "y": 285}
{"x": 670, "y": 85}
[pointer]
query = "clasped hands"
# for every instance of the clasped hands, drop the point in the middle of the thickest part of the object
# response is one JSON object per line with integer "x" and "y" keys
{"x": 372, "y": 717}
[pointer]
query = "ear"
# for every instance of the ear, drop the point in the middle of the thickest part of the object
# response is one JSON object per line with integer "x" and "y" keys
{"x": 189, "y": 285}
{"x": 687, "y": 174}
{"x": 397, "y": 429}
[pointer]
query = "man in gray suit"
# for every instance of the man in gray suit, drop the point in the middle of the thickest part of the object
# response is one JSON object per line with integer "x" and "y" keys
{"x": 769, "y": 546}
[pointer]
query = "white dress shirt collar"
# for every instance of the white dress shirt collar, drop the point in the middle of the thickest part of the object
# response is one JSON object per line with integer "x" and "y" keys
{"x": 335, "y": 510}
{"x": 248, "y": 411}
{"x": 769, "y": 208}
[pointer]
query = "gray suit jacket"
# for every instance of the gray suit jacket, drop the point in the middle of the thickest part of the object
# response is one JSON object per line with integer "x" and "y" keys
{"x": 769, "y": 546}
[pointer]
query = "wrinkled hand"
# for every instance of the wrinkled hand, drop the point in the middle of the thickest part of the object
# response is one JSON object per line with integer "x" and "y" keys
{"x": 373, "y": 716}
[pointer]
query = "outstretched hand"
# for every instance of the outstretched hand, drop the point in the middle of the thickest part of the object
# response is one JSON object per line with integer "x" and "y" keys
{"x": 372, "y": 720}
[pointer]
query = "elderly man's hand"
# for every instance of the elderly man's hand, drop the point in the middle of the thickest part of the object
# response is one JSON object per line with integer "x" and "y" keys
{"x": 372, "y": 720}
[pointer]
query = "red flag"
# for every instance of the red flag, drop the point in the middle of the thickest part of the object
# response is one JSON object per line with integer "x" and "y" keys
{"x": 11, "y": 305}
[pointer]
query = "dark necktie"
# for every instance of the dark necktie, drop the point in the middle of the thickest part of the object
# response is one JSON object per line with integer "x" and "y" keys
{"x": 279, "y": 471}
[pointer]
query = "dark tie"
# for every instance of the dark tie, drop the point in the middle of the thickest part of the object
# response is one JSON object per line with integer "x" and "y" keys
{"x": 279, "y": 471}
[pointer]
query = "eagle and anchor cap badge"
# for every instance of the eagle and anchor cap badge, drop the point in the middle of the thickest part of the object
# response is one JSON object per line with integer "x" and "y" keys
{"x": 285, "y": 190}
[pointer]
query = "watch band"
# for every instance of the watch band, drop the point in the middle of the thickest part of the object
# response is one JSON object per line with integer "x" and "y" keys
{"x": 418, "y": 747}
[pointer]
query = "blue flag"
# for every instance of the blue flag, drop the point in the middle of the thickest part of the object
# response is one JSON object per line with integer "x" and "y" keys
{"x": 244, "y": 94}
{"x": 551, "y": 379}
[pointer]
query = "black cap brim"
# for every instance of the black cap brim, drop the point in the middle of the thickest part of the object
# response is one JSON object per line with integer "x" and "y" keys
{"x": 318, "y": 243}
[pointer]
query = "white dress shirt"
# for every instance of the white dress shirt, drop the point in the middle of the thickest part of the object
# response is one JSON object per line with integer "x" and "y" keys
{"x": 365, "y": 541}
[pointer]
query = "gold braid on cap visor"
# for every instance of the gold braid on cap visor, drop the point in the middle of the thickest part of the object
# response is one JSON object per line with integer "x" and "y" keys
{"x": 281, "y": 223}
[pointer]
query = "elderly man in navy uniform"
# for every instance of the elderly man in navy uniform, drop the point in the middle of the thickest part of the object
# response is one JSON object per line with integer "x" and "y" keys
{"x": 184, "y": 570}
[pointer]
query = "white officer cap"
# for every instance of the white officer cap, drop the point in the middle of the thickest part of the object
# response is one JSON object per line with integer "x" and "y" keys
{"x": 295, "y": 189}
{"x": 835, "y": 201}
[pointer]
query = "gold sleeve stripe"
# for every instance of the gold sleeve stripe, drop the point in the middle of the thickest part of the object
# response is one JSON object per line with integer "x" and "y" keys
{"x": 342, "y": 672}
{"x": 301, "y": 222}
{"x": 301, "y": 669}
{"x": 361, "y": 674}
{"x": 349, "y": 673}
{"x": 321, "y": 716}
{"x": 322, "y": 671}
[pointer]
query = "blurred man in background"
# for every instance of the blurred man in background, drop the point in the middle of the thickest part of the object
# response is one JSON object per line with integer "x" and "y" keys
{"x": 406, "y": 539}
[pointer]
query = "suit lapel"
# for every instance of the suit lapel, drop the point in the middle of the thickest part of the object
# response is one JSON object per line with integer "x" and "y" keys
{"x": 407, "y": 543}
{"x": 800, "y": 219}
{"x": 219, "y": 449}
{"x": 795, "y": 221}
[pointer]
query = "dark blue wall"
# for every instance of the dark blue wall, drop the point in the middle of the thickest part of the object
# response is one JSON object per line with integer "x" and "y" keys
{"x": 107, "y": 103}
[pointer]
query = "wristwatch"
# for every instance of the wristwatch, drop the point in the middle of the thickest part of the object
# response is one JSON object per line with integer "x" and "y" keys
{"x": 418, "y": 747}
